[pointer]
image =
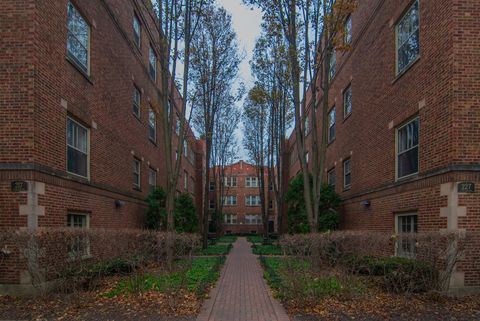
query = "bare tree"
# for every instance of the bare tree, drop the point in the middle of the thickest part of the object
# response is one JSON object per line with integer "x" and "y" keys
{"x": 270, "y": 69}
{"x": 178, "y": 21}
{"x": 312, "y": 31}
{"x": 255, "y": 122}
{"x": 224, "y": 153}
{"x": 215, "y": 63}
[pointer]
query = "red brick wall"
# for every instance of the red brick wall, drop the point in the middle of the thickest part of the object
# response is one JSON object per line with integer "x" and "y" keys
{"x": 241, "y": 171}
{"x": 38, "y": 81}
{"x": 442, "y": 88}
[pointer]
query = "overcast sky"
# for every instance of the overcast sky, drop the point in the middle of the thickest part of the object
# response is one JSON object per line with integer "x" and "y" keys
{"x": 246, "y": 23}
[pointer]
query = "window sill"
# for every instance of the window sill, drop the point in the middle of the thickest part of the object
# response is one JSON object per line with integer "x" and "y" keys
{"x": 406, "y": 178}
{"x": 347, "y": 188}
{"x": 404, "y": 71}
{"x": 347, "y": 117}
{"x": 78, "y": 177}
{"x": 80, "y": 70}
{"x": 153, "y": 142}
{"x": 330, "y": 142}
{"x": 137, "y": 188}
{"x": 137, "y": 117}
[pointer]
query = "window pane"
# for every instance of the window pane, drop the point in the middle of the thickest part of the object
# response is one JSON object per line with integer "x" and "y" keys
{"x": 77, "y": 37}
{"x": 408, "y": 162}
{"x": 408, "y": 44}
{"x": 347, "y": 101}
{"x": 78, "y": 52}
{"x": 77, "y": 162}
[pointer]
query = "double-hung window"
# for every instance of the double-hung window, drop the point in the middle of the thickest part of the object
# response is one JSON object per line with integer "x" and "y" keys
{"x": 152, "y": 59}
{"x": 230, "y": 200}
{"x": 347, "y": 101}
{"x": 78, "y": 38}
{"x": 136, "y": 173}
{"x": 252, "y": 200}
{"x": 137, "y": 30}
{"x": 407, "y": 149}
{"x": 333, "y": 65}
{"x": 251, "y": 182}
{"x": 347, "y": 173}
{"x": 331, "y": 179}
{"x": 408, "y": 38}
{"x": 348, "y": 30}
{"x": 136, "y": 101}
{"x": 77, "y": 148}
{"x": 152, "y": 179}
{"x": 331, "y": 125}
{"x": 152, "y": 126}
{"x": 230, "y": 218}
{"x": 230, "y": 181}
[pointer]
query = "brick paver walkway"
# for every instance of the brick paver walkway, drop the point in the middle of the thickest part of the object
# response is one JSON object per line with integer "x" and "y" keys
{"x": 241, "y": 293}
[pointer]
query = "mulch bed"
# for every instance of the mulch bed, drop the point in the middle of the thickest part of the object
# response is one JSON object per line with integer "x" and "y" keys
{"x": 386, "y": 306}
{"x": 93, "y": 305}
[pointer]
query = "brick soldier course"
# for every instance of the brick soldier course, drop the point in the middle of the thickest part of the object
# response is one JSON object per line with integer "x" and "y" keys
{"x": 241, "y": 293}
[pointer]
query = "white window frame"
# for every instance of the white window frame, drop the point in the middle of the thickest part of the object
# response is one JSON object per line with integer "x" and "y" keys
{"x": 136, "y": 21}
{"x": 152, "y": 173}
{"x": 333, "y": 65}
{"x": 399, "y": 252}
{"x": 230, "y": 218}
{"x": 331, "y": 173}
{"x": 345, "y": 173}
{"x": 251, "y": 181}
{"x": 152, "y": 127}
{"x": 348, "y": 30}
{"x": 332, "y": 125}
{"x": 185, "y": 180}
{"x": 71, "y": 146}
{"x": 83, "y": 68}
{"x": 230, "y": 181}
{"x": 397, "y": 45}
{"x": 137, "y": 104}
{"x": 152, "y": 64}
{"x": 397, "y": 154}
{"x": 137, "y": 184}
{"x": 230, "y": 200}
{"x": 71, "y": 253}
{"x": 347, "y": 90}
{"x": 253, "y": 200}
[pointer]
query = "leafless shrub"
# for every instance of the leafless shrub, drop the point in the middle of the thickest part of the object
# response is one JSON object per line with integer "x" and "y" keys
{"x": 76, "y": 258}
{"x": 427, "y": 259}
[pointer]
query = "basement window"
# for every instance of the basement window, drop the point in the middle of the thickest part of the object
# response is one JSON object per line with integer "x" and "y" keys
{"x": 405, "y": 225}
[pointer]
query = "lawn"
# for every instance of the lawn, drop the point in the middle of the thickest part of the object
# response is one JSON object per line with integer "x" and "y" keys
{"x": 193, "y": 276}
{"x": 267, "y": 249}
{"x": 258, "y": 239}
{"x": 227, "y": 239}
{"x": 216, "y": 249}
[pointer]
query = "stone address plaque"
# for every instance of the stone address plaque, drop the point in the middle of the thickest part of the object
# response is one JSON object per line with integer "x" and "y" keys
{"x": 466, "y": 187}
{"x": 19, "y": 186}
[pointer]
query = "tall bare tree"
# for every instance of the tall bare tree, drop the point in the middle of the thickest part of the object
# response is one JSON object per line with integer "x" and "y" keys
{"x": 255, "y": 122}
{"x": 215, "y": 63}
{"x": 270, "y": 69}
{"x": 312, "y": 31}
{"x": 178, "y": 22}
{"x": 224, "y": 153}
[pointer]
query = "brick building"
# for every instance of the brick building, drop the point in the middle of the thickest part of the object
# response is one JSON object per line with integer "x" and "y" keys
{"x": 404, "y": 123}
{"x": 242, "y": 212}
{"x": 80, "y": 120}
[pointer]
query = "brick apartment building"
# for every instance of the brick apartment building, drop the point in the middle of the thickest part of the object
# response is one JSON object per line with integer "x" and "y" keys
{"x": 404, "y": 123}
{"x": 80, "y": 120}
{"x": 242, "y": 212}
